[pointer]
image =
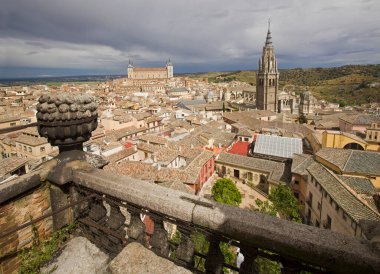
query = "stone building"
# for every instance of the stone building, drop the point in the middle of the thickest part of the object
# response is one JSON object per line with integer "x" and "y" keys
{"x": 336, "y": 189}
{"x": 150, "y": 73}
{"x": 307, "y": 103}
{"x": 267, "y": 78}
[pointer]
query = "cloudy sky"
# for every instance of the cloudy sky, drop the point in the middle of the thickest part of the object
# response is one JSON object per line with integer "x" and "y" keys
{"x": 78, "y": 37}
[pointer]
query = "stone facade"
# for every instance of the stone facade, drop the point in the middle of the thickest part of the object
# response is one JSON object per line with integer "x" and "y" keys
{"x": 16, "y": 212}
{"x": 267, "y": 78}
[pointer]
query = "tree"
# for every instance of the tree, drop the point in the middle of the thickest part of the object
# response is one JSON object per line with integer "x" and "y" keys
{"x": 302, "y": 119}
{"x": 281, "y": 202}
{"x": 225, "y": 191}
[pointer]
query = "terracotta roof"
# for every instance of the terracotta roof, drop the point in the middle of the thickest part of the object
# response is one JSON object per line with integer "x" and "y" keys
{"x": 240, "y": 148}
{"x": 121, "y": 155}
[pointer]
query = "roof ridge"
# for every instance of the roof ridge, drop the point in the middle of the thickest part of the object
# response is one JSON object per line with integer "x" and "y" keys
{"x": 349, "y": 157}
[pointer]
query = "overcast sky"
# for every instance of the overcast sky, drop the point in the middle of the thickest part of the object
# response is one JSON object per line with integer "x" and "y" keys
{"x": 77, "y": 37}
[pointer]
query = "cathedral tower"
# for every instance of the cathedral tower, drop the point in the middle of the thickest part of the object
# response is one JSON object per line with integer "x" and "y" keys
{"x": 267, "y": 77}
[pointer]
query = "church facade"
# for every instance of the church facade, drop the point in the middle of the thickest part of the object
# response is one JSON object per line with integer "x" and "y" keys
{"x": 150, "y": 73}
{"x": 267, "y": 78}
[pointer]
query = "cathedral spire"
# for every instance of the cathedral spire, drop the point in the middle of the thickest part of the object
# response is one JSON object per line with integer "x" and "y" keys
{"x": 268, "y": 42}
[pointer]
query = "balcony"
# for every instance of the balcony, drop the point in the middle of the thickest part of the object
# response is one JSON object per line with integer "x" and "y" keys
{"x": 100, "y": 202}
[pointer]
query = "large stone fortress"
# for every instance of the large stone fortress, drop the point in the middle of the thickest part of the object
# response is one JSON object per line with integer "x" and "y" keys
{"x": 267, "y": 78}
{"x": 150, "y": 73}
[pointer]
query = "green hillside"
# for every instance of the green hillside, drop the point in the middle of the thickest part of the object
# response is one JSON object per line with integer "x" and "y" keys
{"x": 347, "y": 85}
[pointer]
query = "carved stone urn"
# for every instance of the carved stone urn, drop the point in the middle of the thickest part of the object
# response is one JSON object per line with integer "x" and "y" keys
{"x": 67, "y": 119}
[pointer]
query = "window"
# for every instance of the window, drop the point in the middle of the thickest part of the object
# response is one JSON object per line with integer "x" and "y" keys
{"x": 30, "y": 149}
{"x": 236, "y": 173}
{"x": 249, "y": 176}
{"x": 319, "y": 206}
{"x": 24, "y": 148}
{"x": 336, "y": 207}
{"x": 317, "y": 223}
{"x": 309, "y": 200}
{"x": 43, "y": 159}
{"x": 296, "y": 182}
{"x": 42, "y": 149}
{"x": 328, "y": 222}
{"x": 296, "y": 194}
{"x": 344, "y": 215}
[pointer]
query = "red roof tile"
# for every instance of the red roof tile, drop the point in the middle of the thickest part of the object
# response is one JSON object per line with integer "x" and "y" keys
{"x": 240, "y": 148}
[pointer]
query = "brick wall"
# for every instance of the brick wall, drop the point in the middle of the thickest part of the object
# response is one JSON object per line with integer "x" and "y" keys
{"x": 15, "y": 212}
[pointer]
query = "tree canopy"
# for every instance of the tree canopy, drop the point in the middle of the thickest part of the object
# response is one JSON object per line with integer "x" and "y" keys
{"x": 225, "y": 191}
{"x": 282, "y": 202}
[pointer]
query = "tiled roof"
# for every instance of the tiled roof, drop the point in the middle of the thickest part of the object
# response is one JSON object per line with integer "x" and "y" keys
{"x": 194, "y": 168}
{"x": 121, "y": 155}
{"x": 362, "y": 119}
{"x": 352, "y": 161}
{"x": 153, "y": 139}
{"x": 359, "y": 184}
{"x": 346, "y": 200}
{"x": 147, "y": 147}
{"x": 276, "y": 170}
{"x": 8, "y": 165}
{"x": 300, "y": 163}
{"x": 240, "y": 148}
{"x": 31, "y": 140}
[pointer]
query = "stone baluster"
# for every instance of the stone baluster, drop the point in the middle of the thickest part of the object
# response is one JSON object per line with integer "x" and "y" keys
{"x": 248, "y": 266}
{"x": 98, "y": 212}
{"x": 186, "y": 248}
{"x": 116, "y": 222}
{"x": 159, "y": 240}
{"x": 136, "y": 228}
{"x": 215, "y": 259}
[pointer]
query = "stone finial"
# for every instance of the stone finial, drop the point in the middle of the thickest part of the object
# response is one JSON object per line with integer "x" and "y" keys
{"x": 67, "y": 119}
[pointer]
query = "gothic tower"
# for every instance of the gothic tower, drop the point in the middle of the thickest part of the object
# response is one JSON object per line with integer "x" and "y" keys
{"x": 267, "y": 77}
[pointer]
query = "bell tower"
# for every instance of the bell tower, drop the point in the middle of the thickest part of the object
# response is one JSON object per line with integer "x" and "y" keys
{"x": 267, "y": 77}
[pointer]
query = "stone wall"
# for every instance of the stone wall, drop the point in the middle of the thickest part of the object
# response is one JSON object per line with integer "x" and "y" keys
{"x": 16, "y": 212}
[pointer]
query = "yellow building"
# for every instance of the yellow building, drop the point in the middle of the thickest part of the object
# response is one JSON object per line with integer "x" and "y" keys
{"x": 339, "y": 139}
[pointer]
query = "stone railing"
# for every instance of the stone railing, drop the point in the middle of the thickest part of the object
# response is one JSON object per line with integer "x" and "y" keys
{"x": 296, "y": 246}
{"x": 109, "y": 209}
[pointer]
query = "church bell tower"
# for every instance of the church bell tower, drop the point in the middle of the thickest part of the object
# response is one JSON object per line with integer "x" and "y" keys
{"x": 267, "y": 77}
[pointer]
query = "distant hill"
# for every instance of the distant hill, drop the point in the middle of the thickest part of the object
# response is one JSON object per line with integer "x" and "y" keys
{"x": 347, "y": 85}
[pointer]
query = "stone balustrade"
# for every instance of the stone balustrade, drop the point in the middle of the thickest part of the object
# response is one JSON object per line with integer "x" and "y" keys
{"x": 297, "y": 245}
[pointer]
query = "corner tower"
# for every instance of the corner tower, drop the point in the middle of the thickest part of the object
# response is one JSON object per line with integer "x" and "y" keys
{"x": 130, "y": 70}
{"x": 267, "y": 77}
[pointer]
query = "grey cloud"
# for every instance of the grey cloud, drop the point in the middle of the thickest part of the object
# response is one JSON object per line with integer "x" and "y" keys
{"x": 213, "y": 34}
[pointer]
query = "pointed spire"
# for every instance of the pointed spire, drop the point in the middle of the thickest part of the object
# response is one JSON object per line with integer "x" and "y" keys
{"x": 130, "y": 64}
{"x": 268, "y": 42}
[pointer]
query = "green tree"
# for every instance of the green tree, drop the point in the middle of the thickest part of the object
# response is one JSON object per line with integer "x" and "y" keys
{"x": 225, "y": 191}
{"x": 302, "y": 119}
{"x": 281, "y": 202}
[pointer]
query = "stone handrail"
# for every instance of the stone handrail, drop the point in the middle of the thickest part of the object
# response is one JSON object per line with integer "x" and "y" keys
{"x": 331, "y": 251}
